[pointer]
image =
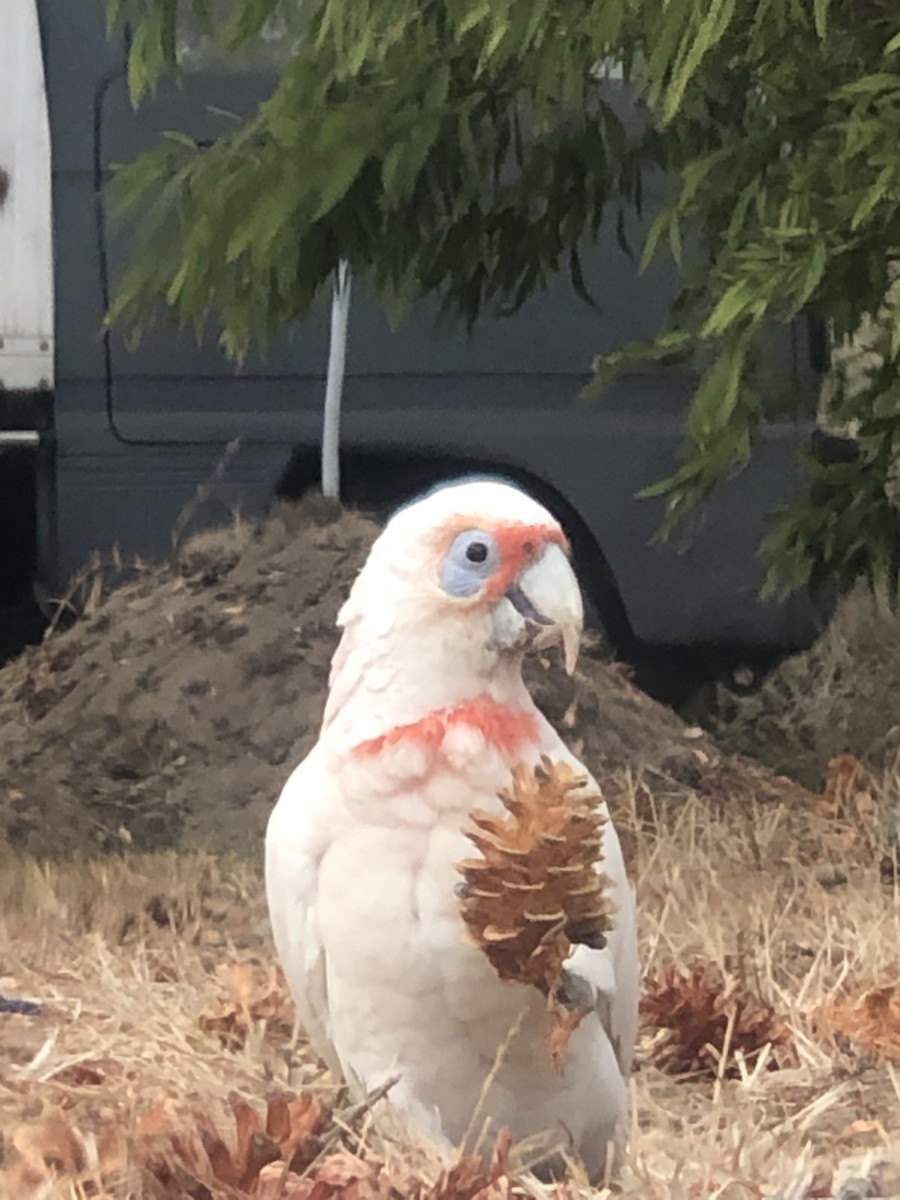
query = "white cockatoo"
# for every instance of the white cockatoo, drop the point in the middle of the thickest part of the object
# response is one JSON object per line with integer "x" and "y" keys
{"x": 426, "y": 715}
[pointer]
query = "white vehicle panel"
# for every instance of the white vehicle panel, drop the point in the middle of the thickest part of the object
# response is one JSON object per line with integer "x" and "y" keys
{"x": 26, "y": 231}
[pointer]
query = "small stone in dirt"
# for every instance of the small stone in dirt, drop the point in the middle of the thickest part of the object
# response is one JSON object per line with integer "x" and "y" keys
{"x": 831, "y": 876}
{"x": 886, "y": 1177}
{"x": 25, "y": 1008}
{"x": 857, "y": 1188}
{"x": 157, "y": 909}
{"x": 197, "y": 687}
{"x": 743, "y": 676}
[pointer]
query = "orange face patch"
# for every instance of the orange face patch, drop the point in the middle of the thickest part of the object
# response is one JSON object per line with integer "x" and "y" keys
{"x": 519, "y": 545}
{"x": 506, "y": 729}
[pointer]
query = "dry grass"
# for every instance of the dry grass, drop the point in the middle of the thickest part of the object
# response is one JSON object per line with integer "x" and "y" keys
{"x": 127, "y": 957}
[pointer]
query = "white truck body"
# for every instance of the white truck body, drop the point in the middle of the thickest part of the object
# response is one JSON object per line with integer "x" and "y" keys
{"x": 26, "y": 217}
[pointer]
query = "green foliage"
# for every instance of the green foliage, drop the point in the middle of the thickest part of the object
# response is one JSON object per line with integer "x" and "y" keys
{"x": 782, "y": 119}
{"x": 466, "y": 148}
{"x": 457, "y": 148}
{"x": 849, "y": 525}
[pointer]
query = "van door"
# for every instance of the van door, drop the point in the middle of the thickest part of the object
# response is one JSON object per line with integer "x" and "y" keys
{"x": 170, "y": 388}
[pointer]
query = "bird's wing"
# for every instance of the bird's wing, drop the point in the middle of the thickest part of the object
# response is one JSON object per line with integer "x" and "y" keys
{"x": 613, "y": 973}
{"x": 623, "y": 949}
{"x": 364, "y": 654}
{"x": 297, "y": 837}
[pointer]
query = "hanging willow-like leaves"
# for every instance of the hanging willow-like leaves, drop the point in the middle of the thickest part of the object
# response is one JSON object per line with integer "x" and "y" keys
{"x": 391, "y": 139}
{"x": 466, "y": 148}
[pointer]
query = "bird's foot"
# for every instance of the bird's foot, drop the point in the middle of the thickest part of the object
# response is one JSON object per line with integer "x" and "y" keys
{"x": 574, "y": 992}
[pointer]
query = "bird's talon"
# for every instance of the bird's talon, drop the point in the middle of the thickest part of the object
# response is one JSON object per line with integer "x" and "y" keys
{"x": 574, "y": 992}
{"x": 594, "y": 941}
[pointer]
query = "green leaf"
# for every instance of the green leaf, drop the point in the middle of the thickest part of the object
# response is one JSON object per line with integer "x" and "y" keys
{"x": 179, "y": 139}
{"x": 814, "y": 272}
{"x": 659, "y": 227}
{"x": 731, "y": 305}
{"x": 871, "y": 85}
{"x": 716, "y": 16}
{"x": 820, "y": 16}
{"x": 873, "y": 197}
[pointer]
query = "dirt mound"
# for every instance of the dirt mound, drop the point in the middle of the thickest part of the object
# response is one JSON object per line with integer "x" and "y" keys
{"x": 172, "y": 711}
{"x": 842, "y": 695}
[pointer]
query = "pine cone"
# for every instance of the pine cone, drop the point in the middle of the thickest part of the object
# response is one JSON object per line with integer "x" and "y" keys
{"x": 701, "y": 1015}
{"x": 535, "y": 891}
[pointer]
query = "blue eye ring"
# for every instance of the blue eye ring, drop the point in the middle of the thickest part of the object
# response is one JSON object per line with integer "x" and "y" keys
{"x": 472, "y": 559}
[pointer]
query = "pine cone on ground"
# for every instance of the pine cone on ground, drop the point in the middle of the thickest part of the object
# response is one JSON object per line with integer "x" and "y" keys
{"x": 536, "y": 890}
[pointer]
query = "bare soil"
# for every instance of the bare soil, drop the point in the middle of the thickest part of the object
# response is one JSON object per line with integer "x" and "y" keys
{"x": 171, "y": 712}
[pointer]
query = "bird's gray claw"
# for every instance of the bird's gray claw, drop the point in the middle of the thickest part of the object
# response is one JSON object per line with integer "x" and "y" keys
{"x": 594, "y": 941}
{"x": 583, "y": 934}
{"x": 574, "y": 992}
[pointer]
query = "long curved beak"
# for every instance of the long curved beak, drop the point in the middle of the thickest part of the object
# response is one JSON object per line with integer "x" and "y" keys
{"x": 548, "y": 599}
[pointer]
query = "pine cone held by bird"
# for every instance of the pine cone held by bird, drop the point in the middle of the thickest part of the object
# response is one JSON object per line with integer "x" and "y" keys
{"x": 535, "y": 889}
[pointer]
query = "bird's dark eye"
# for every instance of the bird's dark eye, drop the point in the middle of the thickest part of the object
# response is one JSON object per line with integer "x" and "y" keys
{"x": 476, "y": 552}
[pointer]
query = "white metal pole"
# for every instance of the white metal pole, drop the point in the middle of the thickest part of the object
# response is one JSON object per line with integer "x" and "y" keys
{"x": 334, "y": 386}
